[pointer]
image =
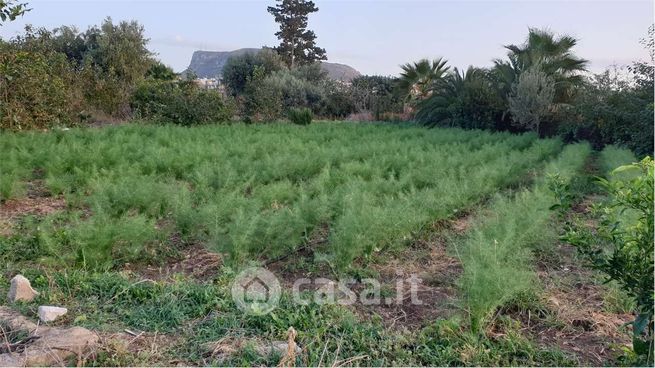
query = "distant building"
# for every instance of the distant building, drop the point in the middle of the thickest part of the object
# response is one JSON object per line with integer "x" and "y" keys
{"x": 208, "y": 83}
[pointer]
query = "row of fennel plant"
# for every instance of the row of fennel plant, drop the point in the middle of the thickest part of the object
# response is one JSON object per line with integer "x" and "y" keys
{"x": 497, "y": 254}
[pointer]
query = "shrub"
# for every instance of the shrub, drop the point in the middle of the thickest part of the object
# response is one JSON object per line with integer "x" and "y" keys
{"x": 376, "y": 94}
{"x": 611, "y": 111}
{"x": 239, "y": 69}
{"x": 296, "y": 91}
{"x": 51, "y": 78}
{"x": 35, "y": 90}
{"x": 339, "y": 100}
{"x": 301, "y": 116}
{"x": 262, "y": 101}
{"x": 180, "y": 102}
{"x": 115, "y": 61}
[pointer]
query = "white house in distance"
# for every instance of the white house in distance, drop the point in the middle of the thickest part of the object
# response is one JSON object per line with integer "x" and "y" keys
{"x": 208, "y": 83}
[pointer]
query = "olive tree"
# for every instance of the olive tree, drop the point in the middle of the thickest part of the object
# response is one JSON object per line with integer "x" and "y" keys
{"x": 531, "y": 98}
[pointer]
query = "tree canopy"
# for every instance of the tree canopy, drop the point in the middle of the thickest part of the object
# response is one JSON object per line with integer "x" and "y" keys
{"x": 297, "y": 43}
{"x": 10, "y": 10}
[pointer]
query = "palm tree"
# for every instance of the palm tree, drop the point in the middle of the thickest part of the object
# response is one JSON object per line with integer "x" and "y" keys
{"x": 417, "y": 79}
{"x": 462, "y": 98}
{"x": 554, "y": 57}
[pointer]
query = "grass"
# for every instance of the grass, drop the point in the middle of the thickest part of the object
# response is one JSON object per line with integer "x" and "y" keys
{"x": 193, "y": 315}
{"x": 257, "y": 192}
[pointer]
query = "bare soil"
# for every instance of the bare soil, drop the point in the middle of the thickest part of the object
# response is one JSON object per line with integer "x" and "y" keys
{"x": 38, "y": 202}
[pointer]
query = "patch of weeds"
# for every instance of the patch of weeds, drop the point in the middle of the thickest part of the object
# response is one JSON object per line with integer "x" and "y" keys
{"x": 529, "y": 307}
{"x": 115, "y": 354}
{"x": 110, "y": 300}
{"x": 448, "y": 343}
{"x": 23, "y": 244}
{"x": 10, "y": 336}
{"x": 617, "y": 300}
{"x": 327, "y": 334}
{"x": 524, "y": 303}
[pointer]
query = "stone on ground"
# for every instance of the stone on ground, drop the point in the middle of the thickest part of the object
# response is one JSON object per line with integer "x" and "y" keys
{"x": 21, "y": 290}
{"x": 48, "y": 346}
{"x": 49, "y": 313}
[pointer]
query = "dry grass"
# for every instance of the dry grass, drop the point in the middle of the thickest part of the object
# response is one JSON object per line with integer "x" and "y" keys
{"x": 575, "y": 298}
{"x": 195, "y": 261}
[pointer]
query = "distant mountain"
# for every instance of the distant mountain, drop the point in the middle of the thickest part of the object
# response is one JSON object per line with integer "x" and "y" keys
{"x": 340, "y": 72}
{"x": 209, "y": 64}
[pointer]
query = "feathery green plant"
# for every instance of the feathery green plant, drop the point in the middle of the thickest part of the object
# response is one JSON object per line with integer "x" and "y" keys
{"x": 258, "y": 192}
{"x": 498, "y": 251}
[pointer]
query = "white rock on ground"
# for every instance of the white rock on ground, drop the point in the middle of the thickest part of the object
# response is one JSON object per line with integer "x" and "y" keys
{"x": 49, "y": 313}
{"x": 21, "y": 290}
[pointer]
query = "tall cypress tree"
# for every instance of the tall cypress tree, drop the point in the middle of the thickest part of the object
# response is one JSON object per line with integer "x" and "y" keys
{"x": 297, "y": 43}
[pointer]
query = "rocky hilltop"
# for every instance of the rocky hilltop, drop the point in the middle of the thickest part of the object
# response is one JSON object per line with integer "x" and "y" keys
{"x": 209, "y": 64}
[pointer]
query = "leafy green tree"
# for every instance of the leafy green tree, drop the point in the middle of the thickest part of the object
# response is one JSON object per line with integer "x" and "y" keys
{"x": 36, "y": 90}
{"x": 160, "y": 71}
{"x": 376, "y": 94}
{"x": 263, "y": 101}
{"x": 180, "y": 102}
{"x": 10, "y": 10}
{"x": 312, "y": 73}
{"x": 72, "y": 43}
{"x": 531, "y": 98}
{"x": 298, "y": 44}
{"x": 39, "y": 87}
{"x": 339, "y": 99}
{"x": 296, "y": 91}
{"x": 115, "y": 64}
{"x": 122, "y": 50}
{"x": 239, "y": 69}
{"x": 616, "y": 107}
{"x": 644, "y": 71}
{"x": 66, "y": 40}
{"x": 607, "y": 111}
{"x": 418, "y": 79}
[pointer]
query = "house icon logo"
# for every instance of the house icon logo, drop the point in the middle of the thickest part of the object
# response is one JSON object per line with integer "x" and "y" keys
{"x": 256, "y": 291}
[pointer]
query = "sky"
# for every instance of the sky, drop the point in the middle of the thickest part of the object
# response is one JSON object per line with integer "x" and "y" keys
{"x": 374, "y": 37}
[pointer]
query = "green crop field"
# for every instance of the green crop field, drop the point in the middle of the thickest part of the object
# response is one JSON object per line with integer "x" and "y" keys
{"x": 258, "y": 192}
{"x": 88, "y": 214}
{"x": 276, "y": 207}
